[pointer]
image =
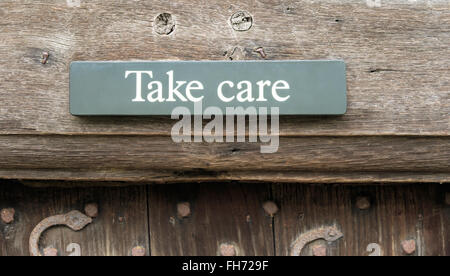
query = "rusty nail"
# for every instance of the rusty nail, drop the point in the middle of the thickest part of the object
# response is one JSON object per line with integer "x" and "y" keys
{"x": 270, "y": 207}
{"x": 409, "y": 246}
{"x": 50, "y": 252}
{"x": 241, "y": 21}
{"x": 319, "y": 250}
{"x": 138, "y": 251}
{"x": 8, "y": 215}
{"x": 261, "y": 52}
{"x": 362, "y": 203}
{"x": 91, "y": 209}
{"x": 44, "y": 57}
{"x": 447, "y": 198}
{"x": 227, "y": 250}
{"x": 184, "y": 209}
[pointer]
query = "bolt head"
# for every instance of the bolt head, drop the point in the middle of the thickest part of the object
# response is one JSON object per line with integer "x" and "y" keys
{"x": 409, "y": 246}
{"x": 50, "y": 252}
{"x": 227, "y": 250}
{"x": 184, "y": 209}
{"x": 91, "y": 210}
{"x": 7, "y": 215}
{"x": 362, "y": 203}
{"x": 270, "y": 207}
{"x": 319, "y": 250}
{"x": 138, "y": 251}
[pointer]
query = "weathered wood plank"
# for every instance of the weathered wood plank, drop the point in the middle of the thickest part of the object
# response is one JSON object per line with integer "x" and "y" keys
{"x": 395, "y": 214}
{"x": 71, "y": 157}
{"x": 220, "y": 214}
{"x": 397, "y": 56}
{"x": 120, "y": 225}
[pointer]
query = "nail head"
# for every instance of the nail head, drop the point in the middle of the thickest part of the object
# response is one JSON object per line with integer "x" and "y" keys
{"x": 138, "y": 251}
{"x": 91, "y": 210}
{"x": 362, "y": 203}
{"x": 227, "y": 250}
{"x": 319, "y": 250}
{"x": 270, "y": 207}
{"x": 409, "y": 246}
{"x": 7, "y": 215}
{"x": 184, "y": 209}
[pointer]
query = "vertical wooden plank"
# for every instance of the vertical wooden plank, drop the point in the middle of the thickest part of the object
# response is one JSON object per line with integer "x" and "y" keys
{"x": 435, "y": 220}
{"x": 121, "y": 223}
{"x": 396, "y": 213}
{"x": 219, "y": 214}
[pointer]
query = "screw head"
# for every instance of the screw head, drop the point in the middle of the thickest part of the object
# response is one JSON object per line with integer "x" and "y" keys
{"x": 409, "y": 246}
{"x": 270, "y": 207}
{"x": 138, "y": 251}
{"x": 227, "y": 250}
{"x": 319, "y": 250}
{"x": 362, "y": 203}
{"x": 91, "y": 210}
{"x": 184, "y": 209}
{"x": 50, "y": 252}
{"x": 241, "y": 21}
{"x": 7, "y": 215}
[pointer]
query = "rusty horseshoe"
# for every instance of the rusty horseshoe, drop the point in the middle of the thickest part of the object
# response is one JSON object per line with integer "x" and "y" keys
{"x": 328, "y": 233}
{"x": 75, "y": 220}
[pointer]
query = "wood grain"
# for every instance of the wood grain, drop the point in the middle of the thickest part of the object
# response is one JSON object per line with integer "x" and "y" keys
{"x": 120, "y": 225}
{"x": 397, "y": 57}
{"x": 396, "y": 213}
{"x": 69, "y": 157}
{"x": 220, "y": 214}
{"x": 232, "y": 213}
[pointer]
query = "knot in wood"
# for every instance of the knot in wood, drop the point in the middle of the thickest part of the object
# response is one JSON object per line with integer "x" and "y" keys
{"x": 241, "y": 21}
{"x": 164, "y": 24}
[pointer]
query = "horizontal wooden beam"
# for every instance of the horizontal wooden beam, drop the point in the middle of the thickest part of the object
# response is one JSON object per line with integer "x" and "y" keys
{"x": 159, "y": 159}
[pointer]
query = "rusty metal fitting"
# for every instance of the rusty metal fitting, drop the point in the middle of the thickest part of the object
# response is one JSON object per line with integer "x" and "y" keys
{"x": 75, "y": 220}
{"x": 138, "y": 251}
{"x": 183, "y": 209}
{"x": 409, "y": 246}
{"x": 270, "y": 208}
{"x": 44, "y": 57}
{"x": 362, "y": 203}
{"x": 7, "y": 215}
{"x": 91, "y": 209}
{"x": 261, "y": 52}
{"x": 227, "y": 250}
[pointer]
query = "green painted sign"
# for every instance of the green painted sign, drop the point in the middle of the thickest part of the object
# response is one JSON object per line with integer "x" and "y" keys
{"x": 157, "y": 88}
